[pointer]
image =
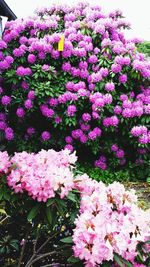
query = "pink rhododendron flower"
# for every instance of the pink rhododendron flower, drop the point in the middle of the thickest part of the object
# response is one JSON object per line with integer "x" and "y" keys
{"x": 41, "y": 175}
{"x": 108, "y": 216}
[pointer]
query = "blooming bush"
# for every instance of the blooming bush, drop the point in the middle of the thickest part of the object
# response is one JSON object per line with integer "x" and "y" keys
{"x": 110, "y": 222}
{"x": 110, "y": 225}
{"x": 90, "y": 96}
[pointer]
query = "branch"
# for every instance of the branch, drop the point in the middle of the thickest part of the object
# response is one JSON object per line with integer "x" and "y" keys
{"x": 23, "y": 249}
{"x": 40, "y": 257}
{"x": 52, "y": 264}
{"x": 40, "y": 248}
{"x": 44, "y": 255}
{"x": 4, "y": 219}
{"x": 46, "y": 242}
{"x": 35, "y": 243}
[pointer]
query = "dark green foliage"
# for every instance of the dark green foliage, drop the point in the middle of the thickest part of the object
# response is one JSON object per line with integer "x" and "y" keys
{"x": 130, "y": 173}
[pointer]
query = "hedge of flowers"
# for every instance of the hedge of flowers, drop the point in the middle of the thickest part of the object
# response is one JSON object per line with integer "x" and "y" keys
{"x": 110, "y": 222}
{"x": 93, "y": 95}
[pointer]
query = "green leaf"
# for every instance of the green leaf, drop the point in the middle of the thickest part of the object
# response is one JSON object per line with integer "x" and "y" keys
{"x": 61, "y": 206}
{"x": 2, "y": 250}
{"x": 61, "y": 202}
{"x": 33, "y": 212}
{"x": 49, "y": 215}
{"x": 60, "y": 209}
{"x": 148, "y": 180}
{"x": 73, "y": 216}
{"x": 120, "y": 261}
{"x": 2, "y": 211}
{"x": 71, "y": 197}
{"x": 49, "y": 76}
{"x": 6, "y": 196}
{"x": 139, "y": 258}
{"x": 14, "y": 245}
{"x": 50, "y": 202}
{"x": 72, "y": 259}
{"x": 67, "y": 240}
{"x": 107, "y": 264}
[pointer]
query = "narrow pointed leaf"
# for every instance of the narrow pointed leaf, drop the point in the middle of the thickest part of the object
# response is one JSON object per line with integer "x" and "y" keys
{"x": 67, "y": 240}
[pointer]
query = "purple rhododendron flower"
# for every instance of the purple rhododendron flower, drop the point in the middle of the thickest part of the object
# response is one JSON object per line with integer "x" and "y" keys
{"x": 45, "y": 136}
{"x": 109, "y": 87}
{"x": 71, "y": 110}
{"x": 9, "y": 134}
{"x": 46, "y": 67}
{"x": 68, "y": 139}
{"x": 20, "y": 112}
{"x": 3, "y": 125}
{"x": 86, "y": 117}
{"x": 31, "y": 58}
{"x": 123, "y": 78}
{"x": 25, "y": 85}
{"x": 5, "y": 100}
{"x": 119, "y": 153}
{"x": 114, "y": 148}
{"x": 116, "y": 68}
{"x": 31, "y": 130}
{"x": 69, "y": 147}
{"x": 28, "y": 104}
{"x": 31, "y": 95}
{"x": 21, "y": 71}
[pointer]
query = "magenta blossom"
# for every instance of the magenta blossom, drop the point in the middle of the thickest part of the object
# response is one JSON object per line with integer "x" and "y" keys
{"x": 45, "y": 136}
{"x": 20, "y": 112}
{"x": 5, "y": 100}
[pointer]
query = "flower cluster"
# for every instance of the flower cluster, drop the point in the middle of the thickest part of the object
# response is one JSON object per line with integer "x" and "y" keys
{"x": 4, "y": 162}
{"x": 109, "y": 219}
{"x": 119, "y": 154}
{"x": 41, "y": 175}
{"x": 141, "y": 132}
{"x": 95, "y": 90}
{"x": 109, "y": 222}
{"x": 101, "y": 163}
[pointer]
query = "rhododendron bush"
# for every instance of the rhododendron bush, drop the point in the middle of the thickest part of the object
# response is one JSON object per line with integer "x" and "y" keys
{"x": 93, "y": 96}
{"x": 53, "y": 200}
{"x": 70, "y": 81}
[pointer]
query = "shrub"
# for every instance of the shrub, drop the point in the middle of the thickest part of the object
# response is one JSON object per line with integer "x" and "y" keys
{"x": 130, "y": 173}
{"x": 91, "y": 95}
{"x": 42, "y": 196}
{"x": 144, "y": 47}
